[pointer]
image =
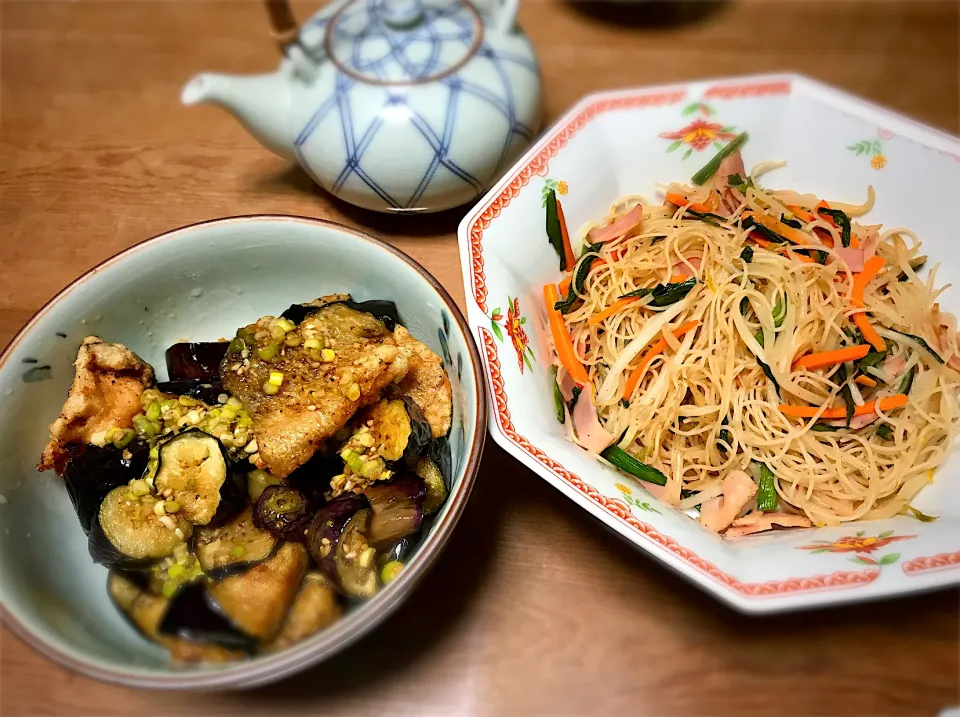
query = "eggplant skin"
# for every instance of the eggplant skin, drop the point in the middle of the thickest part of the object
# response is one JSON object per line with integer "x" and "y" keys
{"x": 283, "y": 512}
{"x": 202, "y": 389}
{"x": 396, "y": 508}
{"x": 328, "y": 523}
{"x": 312, "y": 479}
{"x": 190, "y": 361}
{"x": 219, "y": 548}
{"x": 256, "y": 602}
{"x": 383, "y": 310}
{"x": 96, "y": 471}
{"x": 193, "y": 616}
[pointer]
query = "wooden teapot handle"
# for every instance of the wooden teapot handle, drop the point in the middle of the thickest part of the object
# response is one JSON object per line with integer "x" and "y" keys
{"x": 284, "y": 28}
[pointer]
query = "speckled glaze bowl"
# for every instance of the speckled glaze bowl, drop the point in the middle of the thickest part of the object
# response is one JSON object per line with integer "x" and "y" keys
{"x": 199, "y": 283}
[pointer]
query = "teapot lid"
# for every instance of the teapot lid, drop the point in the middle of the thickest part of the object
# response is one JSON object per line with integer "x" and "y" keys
{"x": 400, "y": 42}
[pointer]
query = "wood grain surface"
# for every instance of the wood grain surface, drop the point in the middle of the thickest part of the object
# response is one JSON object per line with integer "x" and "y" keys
{"x": 534, "y": 608}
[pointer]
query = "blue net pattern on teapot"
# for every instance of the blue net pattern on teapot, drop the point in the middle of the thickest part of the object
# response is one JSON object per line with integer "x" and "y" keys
{"x": 435, "y": 136}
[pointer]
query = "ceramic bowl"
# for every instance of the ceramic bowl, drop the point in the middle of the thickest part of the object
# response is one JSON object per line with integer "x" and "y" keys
{"x": 628, "y": 142}
{"x": 196, "y": 283}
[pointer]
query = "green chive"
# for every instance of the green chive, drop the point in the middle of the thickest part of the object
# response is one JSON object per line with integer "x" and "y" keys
{"x": 630, "y": 465}
{"x": 557, "y": 397}
{"x": 554, "y": 234}
{"x": 767, "y": 492}
{"x": 711, "y": 167}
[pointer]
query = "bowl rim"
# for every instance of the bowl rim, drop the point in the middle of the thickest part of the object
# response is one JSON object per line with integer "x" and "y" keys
{"x": 350, "y": 628}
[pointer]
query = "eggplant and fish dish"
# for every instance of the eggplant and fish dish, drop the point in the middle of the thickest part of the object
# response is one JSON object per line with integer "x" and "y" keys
{"x": 273, "y": 480}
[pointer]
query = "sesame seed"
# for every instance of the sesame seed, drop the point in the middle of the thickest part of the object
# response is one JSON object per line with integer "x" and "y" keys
{"x": 158, "y": 508}
{"x": 168, "y": 522}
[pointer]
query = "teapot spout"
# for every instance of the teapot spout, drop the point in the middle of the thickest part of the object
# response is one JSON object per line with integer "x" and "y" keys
{"x": 262, "y": 104}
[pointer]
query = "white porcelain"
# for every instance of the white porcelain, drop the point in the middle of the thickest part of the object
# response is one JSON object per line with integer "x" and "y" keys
{"x": 617, "y": 143}
{"x": 196, "y": 283}
{"x": 395, "y": 105}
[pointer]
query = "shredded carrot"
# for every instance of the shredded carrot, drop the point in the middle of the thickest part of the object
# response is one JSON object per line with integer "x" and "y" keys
{"x": 561, "y": 337}
{"x": 789, "y": 233}
{"x": 865, "y": 381}
{"x": 870, "y": 268}
{"x": 565, "y": 285}
{"x": 831, "y": 358}
{"x": 682, "y": 201}
{"x": 884, "y": 404}
{"x": 801, "y": 257}
{"x": 614, "y": 308}
{"x": 758, "y": 239}
{"x": 655, "y": 350}
{"x": 567, "y": 249}
{"x": 869, "y": 333}
{"x": 801, "y": 212}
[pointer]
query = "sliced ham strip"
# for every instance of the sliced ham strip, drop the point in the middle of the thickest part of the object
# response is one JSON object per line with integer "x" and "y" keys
{"x": 738, "y": 490}
{"x": 669, "y": 493}
{"x": 590, "y": 434}
{"x": 682, "y": 270}
{"x": 894, "y": 365}
{"x": 730, "y": 198}
{"x": 856, "y": 422}
{"x": 631, "y": 220}
{"x": 853, "y": 257}
{"x": 566, "y": 383}
{"x": 759, "y": 522}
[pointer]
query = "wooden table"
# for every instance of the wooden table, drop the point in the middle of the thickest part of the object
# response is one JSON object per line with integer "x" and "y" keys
{"x": 534, "y": 608}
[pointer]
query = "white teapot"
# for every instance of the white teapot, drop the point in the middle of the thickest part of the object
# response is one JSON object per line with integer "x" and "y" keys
{"x": 392, "y": 105}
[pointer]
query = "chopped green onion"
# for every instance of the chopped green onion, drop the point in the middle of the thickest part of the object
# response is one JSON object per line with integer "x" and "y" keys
{"x": 390, "y": 571}
{"x": 848, "y": 394}
{"x": 557, "y": 397}
{"x": 767, "y": 492}
{"x": 312, "y": 344}
{"x": 630, "y": 465}
{"x": 270, "y": 389}
{"x": 885, "y": 431}
{"x": 735, "y": 181}
{"x": 352, "y": 459}
{"x": 917, "y": 263}
{"x": 276, "y": 378}
{"x": 711, "y": 167}
{"x": 122, "y": 438}
{"x": 144, "y": 426}
{"x": 153, "y": 411}
{"x": 236, "y": 345}
{"x": 554, "y": 233}
{"x": 267, "y": 352}
{"x": 286, "y": 324}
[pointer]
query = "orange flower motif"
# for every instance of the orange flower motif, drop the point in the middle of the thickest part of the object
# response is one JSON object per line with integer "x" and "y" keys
{"x": 878, "y": 161}
{"x": 562, "y": 187}
{"x": 855, "y": 543}
{"x": 700, "y": 133}
{"x": 515, "y": 329}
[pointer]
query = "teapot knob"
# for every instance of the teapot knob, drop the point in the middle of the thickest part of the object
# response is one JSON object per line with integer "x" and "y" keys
{"x": 401, "y": 13}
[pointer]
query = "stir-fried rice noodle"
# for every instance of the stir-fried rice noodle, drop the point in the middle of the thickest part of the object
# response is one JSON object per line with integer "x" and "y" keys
{"x": 704, "y": 406}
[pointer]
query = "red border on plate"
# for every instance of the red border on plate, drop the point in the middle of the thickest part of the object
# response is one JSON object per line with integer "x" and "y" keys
{"x": 617, "y": 508}
{"x": 943, "y": 561}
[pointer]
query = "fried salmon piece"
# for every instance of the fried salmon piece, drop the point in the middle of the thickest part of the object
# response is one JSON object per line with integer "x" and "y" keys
{"x": 316, "y": 397}
{"x": 105, "y": 394}
{"x": 426, "y": 383}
